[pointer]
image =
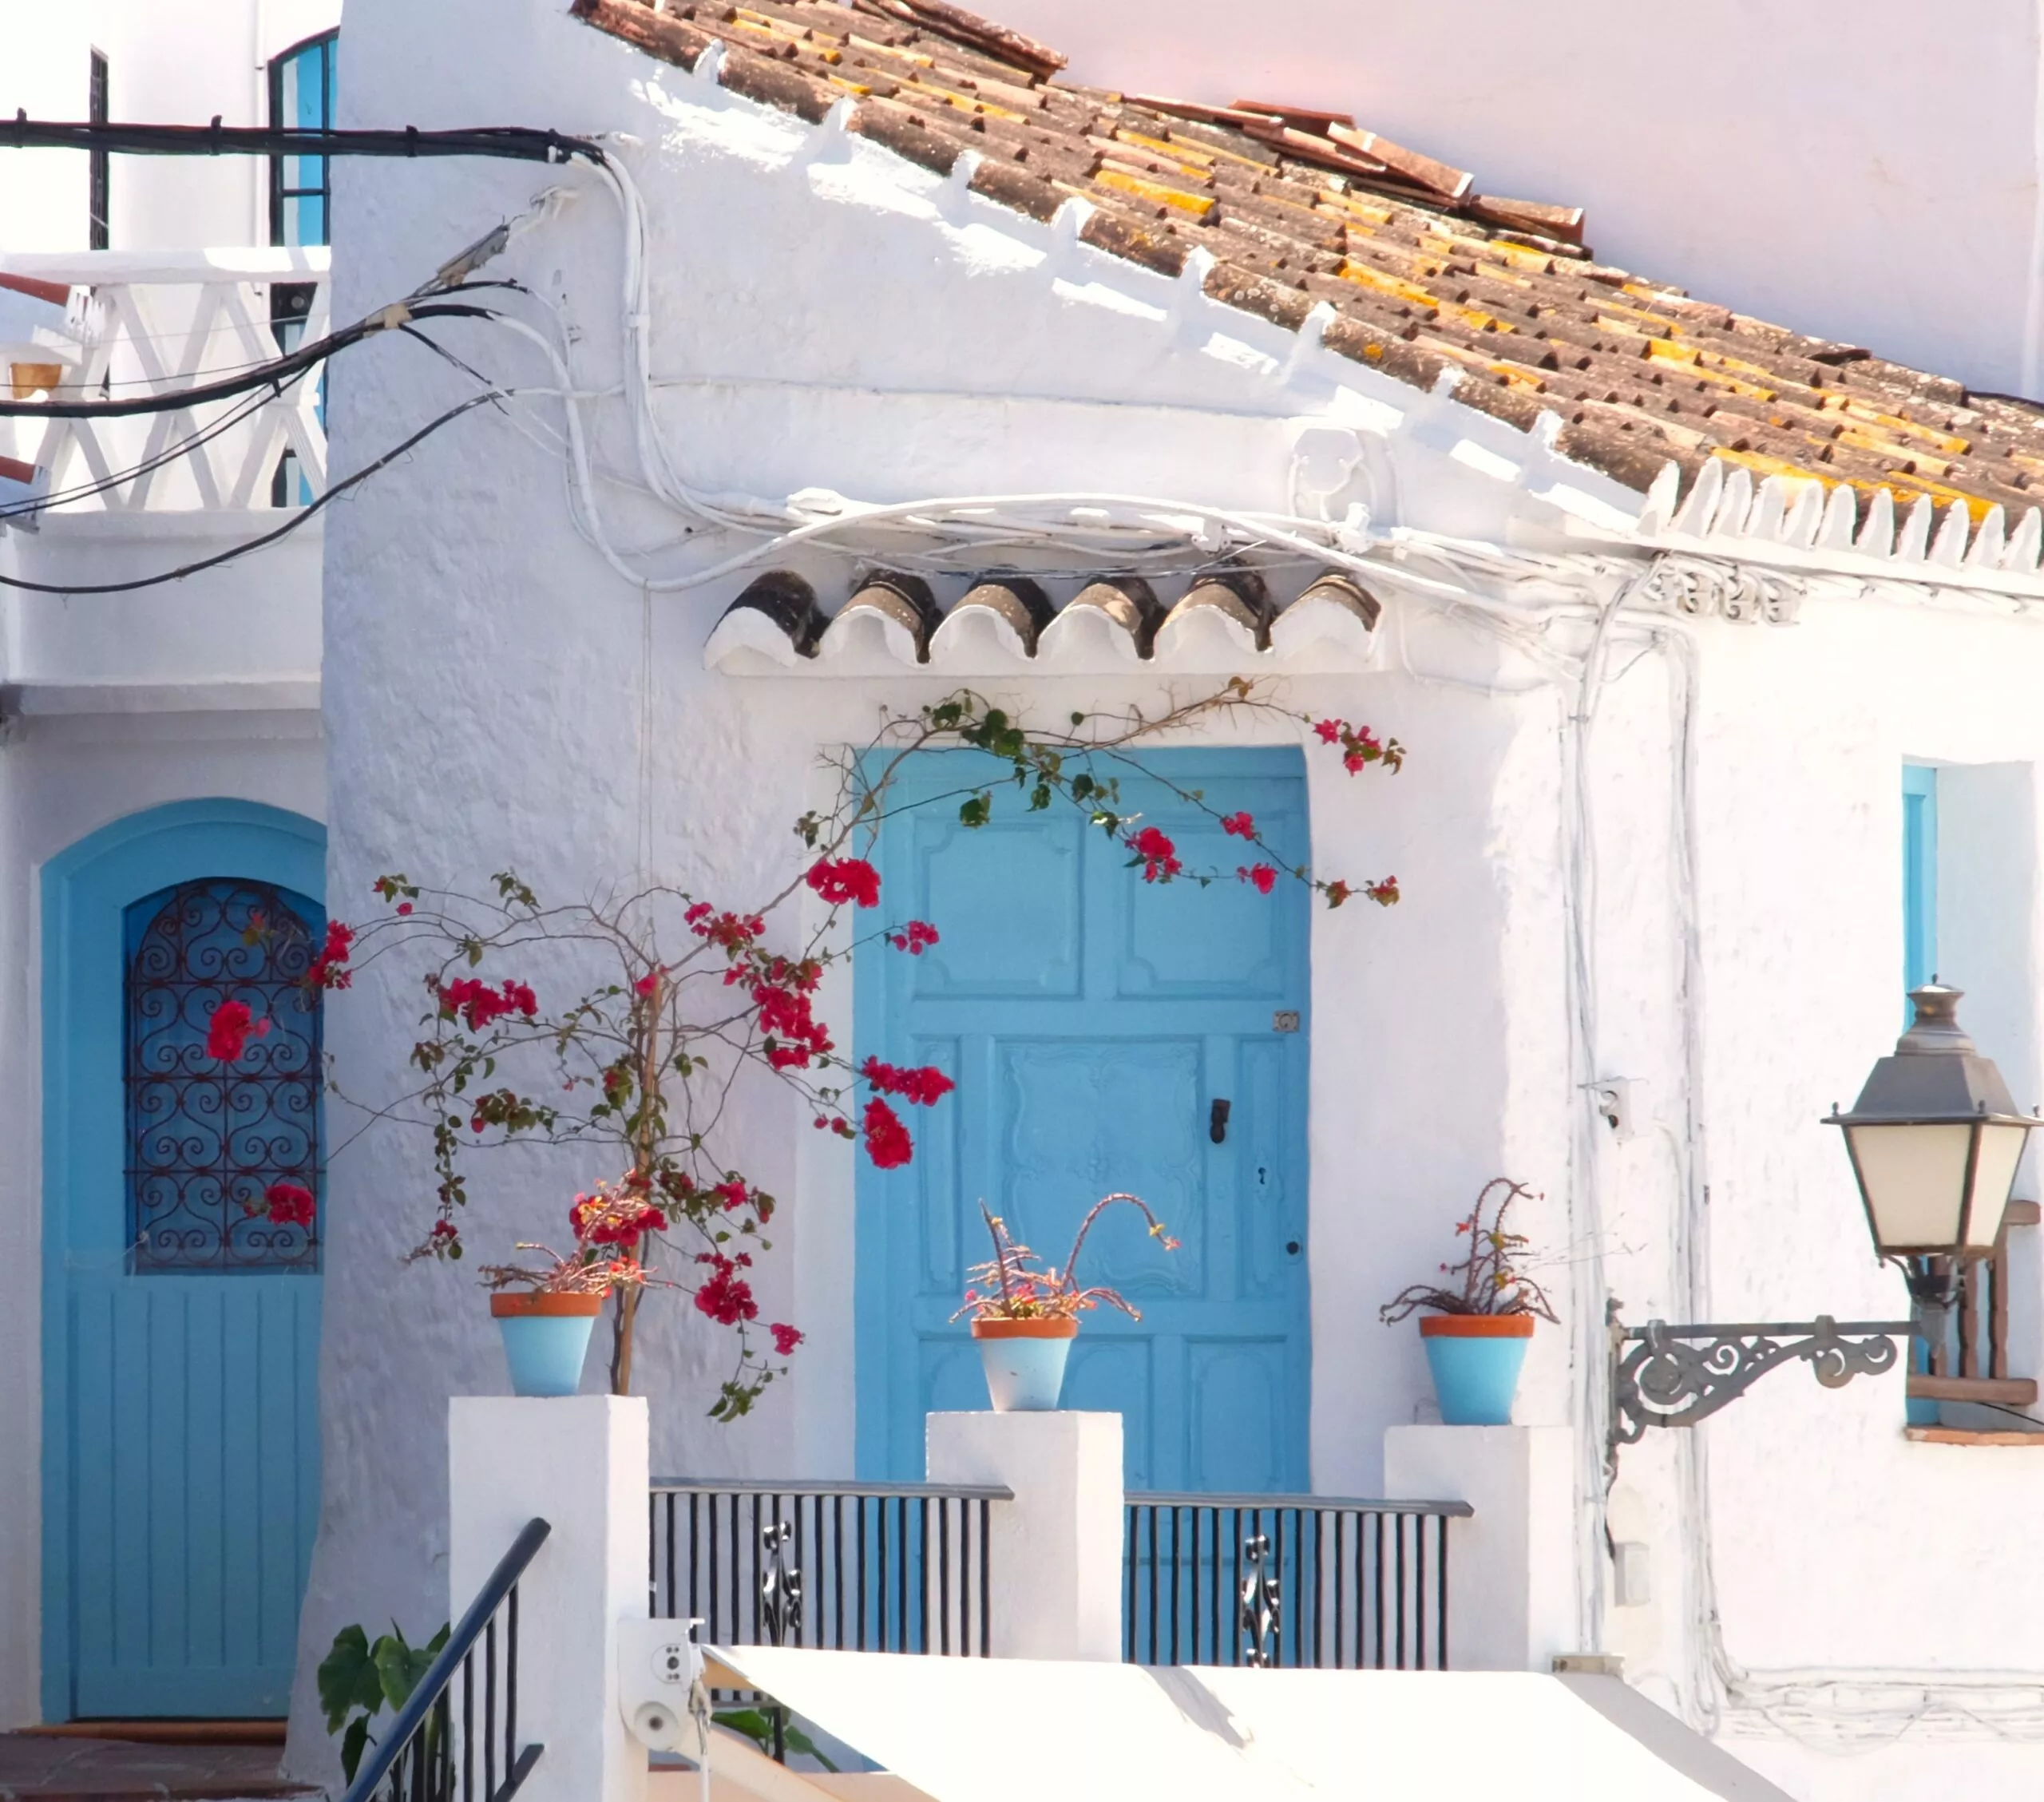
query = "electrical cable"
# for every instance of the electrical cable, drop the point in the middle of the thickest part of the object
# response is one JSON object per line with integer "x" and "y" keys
{"x": 521, "y": 143}
{"x": 298, "y": 519}
{"x": 290, "y": 365}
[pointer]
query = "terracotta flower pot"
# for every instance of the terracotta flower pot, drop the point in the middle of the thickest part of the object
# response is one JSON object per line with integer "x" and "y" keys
{"x": 1476, "y": 1359}
{"x": 1024, "y": 1361}
{"x": 546, "y": 1338}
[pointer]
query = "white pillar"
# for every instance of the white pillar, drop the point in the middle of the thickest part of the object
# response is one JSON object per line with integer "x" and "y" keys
{"x": 1055, "y": 1581}
{"x": 579, "y": 1463}
{"x": 1511, "y": 1565}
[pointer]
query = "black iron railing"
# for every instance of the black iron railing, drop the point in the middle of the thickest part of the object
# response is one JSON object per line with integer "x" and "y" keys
{"x": 430, "y": 1754}
{"x": 1315, "y": 1581}
{"x": 860, "y": 1567}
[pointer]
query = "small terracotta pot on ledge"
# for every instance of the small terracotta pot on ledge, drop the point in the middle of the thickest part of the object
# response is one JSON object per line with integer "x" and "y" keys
{"x": 1024, "y": 1360}
{"x": 1476, "y": 1359}
{"x": 546, "y": 1337}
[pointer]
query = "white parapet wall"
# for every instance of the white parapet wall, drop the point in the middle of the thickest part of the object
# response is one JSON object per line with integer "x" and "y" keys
{"x": 1512, "y": 1589}
{"x": 579, "y": 1463}
{"x": 1055, "y": 1581}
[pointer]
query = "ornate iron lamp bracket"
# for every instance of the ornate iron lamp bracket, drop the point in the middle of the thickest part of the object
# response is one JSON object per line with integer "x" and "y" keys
{"x": 1664, "y": 1375}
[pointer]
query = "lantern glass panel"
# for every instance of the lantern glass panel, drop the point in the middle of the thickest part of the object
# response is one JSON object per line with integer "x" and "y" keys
{"x": 1915, "y": 1178}
{"x": 2001, "y": 1149}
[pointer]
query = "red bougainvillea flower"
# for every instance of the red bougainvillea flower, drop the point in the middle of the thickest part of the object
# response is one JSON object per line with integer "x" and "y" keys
{"x": 1157, "y": 854}
{"x": 925, "y": 1085}
{"x": 329, "y": 969}
{"x": 227, "y": 1033}
{"x": 404, "y": 907}
{"x": 914, "y": 938}
{"x": 732, "y": 932}
{"x": 725, "y": 1296}
{"x": 651, "y": 981}
{"x": 478, "y": 1004}
{"x": 786, "y": 1337}
{"x": 887, "y": 1140}
{"x": 289, "y": 1204}
{"x": 445, "y": 1233}
{"x": 1262, "y": 877}
{"x": 1337, "y": 892}
{"x": 608, "y": 1216}
{"x": 733, "y": 1193}
{"x": 1383, "y": 893}
{"x": 1360, "y": 745}
{"x": 846, "y": 879}
{"x": 1239, "y": 826}
{"x": 795, "y": 1036}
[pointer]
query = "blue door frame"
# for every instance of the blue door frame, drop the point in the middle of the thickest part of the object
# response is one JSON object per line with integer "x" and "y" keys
{"x": 180, "y": 1442}
{"x": 1092, "y": 1021}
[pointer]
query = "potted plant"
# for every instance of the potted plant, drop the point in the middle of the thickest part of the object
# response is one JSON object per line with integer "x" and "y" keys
{"x": 1475, "y": 1337}
{"x": 546, "y": 1315}
{"x": 1025, "y": 1318}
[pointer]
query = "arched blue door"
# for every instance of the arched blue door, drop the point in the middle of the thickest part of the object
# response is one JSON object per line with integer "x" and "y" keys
{"x": 181, "y": 1324}
{"x": 1092, "y": 1022}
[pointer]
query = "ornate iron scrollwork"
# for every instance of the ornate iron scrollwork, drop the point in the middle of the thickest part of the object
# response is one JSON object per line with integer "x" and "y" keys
{"x": 1262, "y": 1613}
{"x": 1664, "y": 1375}
{"x": 206, "y": 1138}
{"x": 780, "y": 1586}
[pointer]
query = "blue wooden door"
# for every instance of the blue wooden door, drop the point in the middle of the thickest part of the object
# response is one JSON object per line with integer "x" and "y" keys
{"x": 181, "y": 1324}
{"x": 1092, "y": 1021}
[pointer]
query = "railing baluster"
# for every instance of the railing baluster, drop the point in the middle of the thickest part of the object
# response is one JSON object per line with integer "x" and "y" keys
{"x": 489, "y": 1711}
{"x": 511, "y": 1680}
{"x": 1378, "y": 1598}
{"x": 1440, "y": 1592}
{"x": 1399, "y": 1564}
{"x": 943, "y": 1575}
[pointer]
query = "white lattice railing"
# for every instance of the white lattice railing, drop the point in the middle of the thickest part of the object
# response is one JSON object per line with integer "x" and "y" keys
{"x": 101, "y": 324}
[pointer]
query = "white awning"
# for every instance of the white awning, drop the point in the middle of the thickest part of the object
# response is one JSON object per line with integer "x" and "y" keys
{"x": 1029, "y": 1730}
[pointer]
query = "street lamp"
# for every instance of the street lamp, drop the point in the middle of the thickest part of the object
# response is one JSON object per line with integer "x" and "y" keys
{"x": 1935, "y": 1141}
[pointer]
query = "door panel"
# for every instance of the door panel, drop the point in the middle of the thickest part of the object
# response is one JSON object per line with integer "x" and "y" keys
{"x": 1092, "y": 1020}
{"x": 181, "y": 1331}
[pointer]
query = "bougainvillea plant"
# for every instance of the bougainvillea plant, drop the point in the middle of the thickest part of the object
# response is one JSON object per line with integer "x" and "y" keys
{"x": 1492, "y": 1282}
{"x": 620, "y": 1024}
{"x": 1005, "y": 1288}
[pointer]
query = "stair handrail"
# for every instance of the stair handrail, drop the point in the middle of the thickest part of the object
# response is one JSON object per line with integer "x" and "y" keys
{"x": 440, "y": 1674}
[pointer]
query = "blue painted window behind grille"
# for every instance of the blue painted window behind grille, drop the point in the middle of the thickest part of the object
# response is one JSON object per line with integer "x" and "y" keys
{"x": 1919, "y": 875}
{"x": 205, "y": 1139}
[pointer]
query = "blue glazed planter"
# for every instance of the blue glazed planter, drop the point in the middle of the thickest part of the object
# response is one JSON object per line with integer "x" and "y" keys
{"x": 1025, "y": 1362}
{"x": 1476, "y": 1360}
{"x": 546, "y": 1338}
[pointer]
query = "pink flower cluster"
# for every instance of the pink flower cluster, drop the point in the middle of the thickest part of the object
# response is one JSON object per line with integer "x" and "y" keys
{"x": 1261, "y": 877}
{"x": 1157, "y": 854}
{"x": 724, "y": 1295}
{"x": 478, "y": 1004}
{"x": 846, "y": 879}
{"x": 914, "y": 938}
{"x": 1359, "y": 745}
{"x": 288, "y": 1204}
{"x": 887, "y": 1140}
{"x": 329, "y": 969}
{"x": 925, "y": 1085}
{"x": 227, "y": 1033}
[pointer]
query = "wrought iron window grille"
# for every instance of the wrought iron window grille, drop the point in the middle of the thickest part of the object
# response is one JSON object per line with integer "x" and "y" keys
{"x": 207, "y": 1138}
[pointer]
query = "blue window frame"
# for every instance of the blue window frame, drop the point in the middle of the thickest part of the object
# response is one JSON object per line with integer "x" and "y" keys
{"x": 302, "y": 98}
{"x": 1919, "y": 875}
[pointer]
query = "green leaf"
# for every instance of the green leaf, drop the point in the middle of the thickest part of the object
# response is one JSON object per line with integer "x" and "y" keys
{"x": 348, "y": 1679}
{"x": 755, "y": 1724}
{"x": 399, "y": 1666}
{"x": 352, "y": 1744}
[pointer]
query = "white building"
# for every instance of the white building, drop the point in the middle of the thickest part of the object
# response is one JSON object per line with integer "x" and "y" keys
{"x": 1676, "y": 614}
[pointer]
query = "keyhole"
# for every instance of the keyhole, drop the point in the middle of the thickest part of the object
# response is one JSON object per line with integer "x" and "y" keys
{"x": 1291, "y": 1248}
{"x": 1262, "y": 1176}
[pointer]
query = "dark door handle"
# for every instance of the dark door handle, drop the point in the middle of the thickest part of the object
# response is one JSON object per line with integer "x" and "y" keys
{"x": 1217, "y": 1121}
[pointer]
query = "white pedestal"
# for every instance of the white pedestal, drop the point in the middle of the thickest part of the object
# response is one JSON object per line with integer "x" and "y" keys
{"x": 579, "y": 1462}
{"x": 1055, "y": 1581}
{"x": 1511, "y": 1566}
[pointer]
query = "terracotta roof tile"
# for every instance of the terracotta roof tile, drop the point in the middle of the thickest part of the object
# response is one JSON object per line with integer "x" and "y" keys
{"x": 1300, "y": 206}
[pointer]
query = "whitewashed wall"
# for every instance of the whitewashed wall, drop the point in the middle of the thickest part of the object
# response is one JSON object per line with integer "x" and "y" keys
{"x": 169, "y": 62}
{"x": 1856, "y": 171}
{"x": 826, "y": 317}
